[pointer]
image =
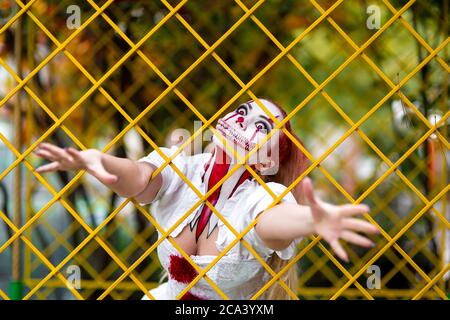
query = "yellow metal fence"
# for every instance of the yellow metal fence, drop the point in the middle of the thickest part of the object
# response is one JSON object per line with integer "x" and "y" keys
{"x": 134, "y": 268}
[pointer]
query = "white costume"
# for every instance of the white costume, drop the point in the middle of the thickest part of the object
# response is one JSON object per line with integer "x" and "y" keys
{"x": 238, "y": 274}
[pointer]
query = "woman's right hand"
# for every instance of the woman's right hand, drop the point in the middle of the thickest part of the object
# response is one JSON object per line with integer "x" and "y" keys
{"x": 72, "y": 159}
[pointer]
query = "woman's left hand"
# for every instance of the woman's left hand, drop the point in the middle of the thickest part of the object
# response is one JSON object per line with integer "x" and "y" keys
{"x": 334, "y": 222}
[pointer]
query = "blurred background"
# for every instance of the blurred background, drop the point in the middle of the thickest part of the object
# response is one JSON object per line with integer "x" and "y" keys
{"x": 62, "y": 58}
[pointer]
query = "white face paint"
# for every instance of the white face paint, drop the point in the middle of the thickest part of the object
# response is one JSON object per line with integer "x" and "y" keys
{"x": 245, "y": 127}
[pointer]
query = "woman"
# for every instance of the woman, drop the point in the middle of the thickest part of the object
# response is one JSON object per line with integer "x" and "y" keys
{"x": 240, "y": 199}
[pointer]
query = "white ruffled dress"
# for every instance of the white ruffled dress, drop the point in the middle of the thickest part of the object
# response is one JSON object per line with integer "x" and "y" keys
{"x": 238, "y": 274}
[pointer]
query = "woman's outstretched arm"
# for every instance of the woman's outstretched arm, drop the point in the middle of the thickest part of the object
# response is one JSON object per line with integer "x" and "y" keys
{"x": 281, "y": 224}
{"x": 127, "y": 178}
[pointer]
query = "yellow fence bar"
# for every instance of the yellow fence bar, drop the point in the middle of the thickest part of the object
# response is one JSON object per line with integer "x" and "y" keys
{"x": 112, "y": 281}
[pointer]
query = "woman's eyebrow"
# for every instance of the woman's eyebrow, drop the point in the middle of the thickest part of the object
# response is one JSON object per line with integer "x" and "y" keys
{"x": 268, "y": 120}
{"x": 249, "y": 105}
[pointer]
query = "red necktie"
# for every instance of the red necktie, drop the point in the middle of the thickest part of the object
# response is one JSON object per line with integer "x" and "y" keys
{"x": 218, "y": 171}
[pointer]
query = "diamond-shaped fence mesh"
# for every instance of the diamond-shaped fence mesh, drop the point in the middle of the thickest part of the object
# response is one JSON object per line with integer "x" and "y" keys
{"x": 366, "y": 87}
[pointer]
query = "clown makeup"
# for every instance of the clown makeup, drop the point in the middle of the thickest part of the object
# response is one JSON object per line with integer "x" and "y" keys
{"x": 245, "y": 127}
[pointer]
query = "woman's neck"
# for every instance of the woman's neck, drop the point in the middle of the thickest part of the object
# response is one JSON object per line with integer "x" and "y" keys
{"x": 223, "y": 164}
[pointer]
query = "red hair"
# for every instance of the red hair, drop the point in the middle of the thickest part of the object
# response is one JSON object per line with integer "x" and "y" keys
{"x": 292, "y": 161}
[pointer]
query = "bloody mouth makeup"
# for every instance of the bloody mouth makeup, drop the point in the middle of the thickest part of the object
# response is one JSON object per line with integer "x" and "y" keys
{"x": 230, "y": 133}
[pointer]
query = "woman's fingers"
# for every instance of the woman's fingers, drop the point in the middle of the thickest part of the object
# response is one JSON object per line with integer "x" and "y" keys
{"x": 57, "y": 152}
{"x": 357, "y": 239}
{"x": 45, "y": 154}
{"x": 352, "y": 209}
{"x": 340, "y": 252}
{"x": 63, "y": 159}
{"x": 75, "y": 154}
{"x": 309, "y": 191}
{"x": 53, "y": 166}
{"x": 314, "y": 201}
{"x": 359, "y": 225}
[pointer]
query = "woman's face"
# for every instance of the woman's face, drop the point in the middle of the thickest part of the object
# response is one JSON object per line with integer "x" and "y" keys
{"x": 245, "y": 127}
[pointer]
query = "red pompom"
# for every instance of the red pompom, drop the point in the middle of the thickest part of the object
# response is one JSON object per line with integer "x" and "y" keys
{"x": 190, "y": 296}
{"x": 181, "y": 270}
